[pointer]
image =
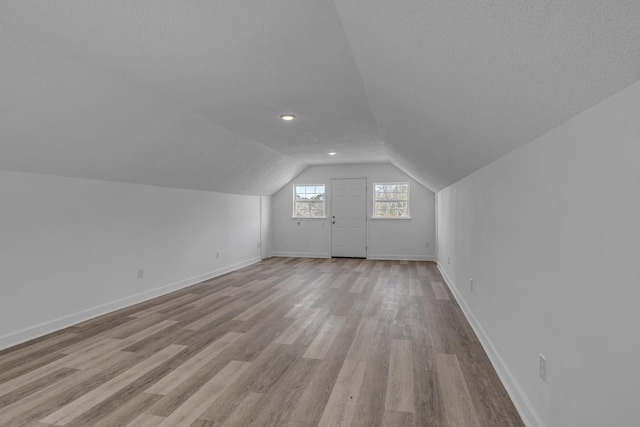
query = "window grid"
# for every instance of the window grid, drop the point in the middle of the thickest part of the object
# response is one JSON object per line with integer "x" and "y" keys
{"x": 309, "y": 201}
{"x": 391, "y": 200}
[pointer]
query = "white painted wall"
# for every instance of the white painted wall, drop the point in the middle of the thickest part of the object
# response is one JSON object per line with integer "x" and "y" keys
{"x": 265, "y": 226}
{"x": 412, "y": 239}
{"x": 70, "y": 248}
{"x": 550, "y": 234}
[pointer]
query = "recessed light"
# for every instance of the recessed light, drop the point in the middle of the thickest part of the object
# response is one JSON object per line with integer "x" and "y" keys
{"x": 287, "y": 117}
{"x": 332, "y": 153}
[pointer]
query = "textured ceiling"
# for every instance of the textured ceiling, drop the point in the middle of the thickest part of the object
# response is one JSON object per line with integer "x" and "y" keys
{"x": 188, "y": 94}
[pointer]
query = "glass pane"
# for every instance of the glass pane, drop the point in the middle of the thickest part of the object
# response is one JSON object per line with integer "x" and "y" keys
{"x": 309, "y": 209}
{"x": 317, "y": 209}
{"x": 309, "y": 201}
{"x": 391, "y": 209}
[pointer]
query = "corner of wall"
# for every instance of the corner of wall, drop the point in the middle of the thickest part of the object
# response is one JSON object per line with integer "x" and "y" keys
{"x": 54, "y": 325}
{"x": 523, "y": 405}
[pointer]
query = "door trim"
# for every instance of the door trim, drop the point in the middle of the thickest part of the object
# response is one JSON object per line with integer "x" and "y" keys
{"x": 367, "y": 208}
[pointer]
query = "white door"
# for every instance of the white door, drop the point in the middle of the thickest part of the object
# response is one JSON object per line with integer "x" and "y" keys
{"x": 349, "y": 218}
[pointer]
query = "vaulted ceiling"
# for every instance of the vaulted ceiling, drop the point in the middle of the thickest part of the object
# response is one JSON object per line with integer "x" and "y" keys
{"x": 189, "y": 94}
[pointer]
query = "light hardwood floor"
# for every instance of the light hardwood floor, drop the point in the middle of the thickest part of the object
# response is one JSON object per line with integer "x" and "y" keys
{"x": 301, "y": 342}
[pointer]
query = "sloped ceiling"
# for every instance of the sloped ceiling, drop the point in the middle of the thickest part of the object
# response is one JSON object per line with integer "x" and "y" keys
{"x": 454, "y": 85}
{"x": 188, "y": 94}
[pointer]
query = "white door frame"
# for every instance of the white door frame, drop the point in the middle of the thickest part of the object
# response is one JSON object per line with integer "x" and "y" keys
{"x": 366, "y": 210}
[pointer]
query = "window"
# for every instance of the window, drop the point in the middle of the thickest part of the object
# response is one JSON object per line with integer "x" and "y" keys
{"x": 391, "y": 200}
{"x": 308, "y": 201}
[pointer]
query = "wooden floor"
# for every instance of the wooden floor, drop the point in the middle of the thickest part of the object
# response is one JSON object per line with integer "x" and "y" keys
{"x": 284, "y": 342}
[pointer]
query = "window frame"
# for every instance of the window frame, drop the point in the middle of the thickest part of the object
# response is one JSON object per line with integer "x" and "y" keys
{"x": 323, "y": 201}
{"x": 408, "y": 201}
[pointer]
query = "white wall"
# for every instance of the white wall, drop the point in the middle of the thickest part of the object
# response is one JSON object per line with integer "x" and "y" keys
{"x": 549, "y": 234}
{"x": 412, "y": 239}
{"x": 70, "y": 249}
{"x": 265, "y": 226}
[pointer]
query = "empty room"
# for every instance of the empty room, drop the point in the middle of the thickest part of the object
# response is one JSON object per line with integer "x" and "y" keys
{"x": 319, "y": 213}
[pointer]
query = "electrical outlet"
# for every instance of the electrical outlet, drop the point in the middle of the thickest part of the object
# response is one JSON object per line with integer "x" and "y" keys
{"x": 426, "y": 244}
{"x": 259, "y": 245}
{"x": 543, "y": 367}
{"x": 140, "y": 273}
{"x": 448, "y": 260}
{"x": 217, "y": 254}
{"x": 471, "y": 284}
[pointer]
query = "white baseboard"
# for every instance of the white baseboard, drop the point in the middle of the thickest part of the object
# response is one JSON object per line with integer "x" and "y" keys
{"x": 300, "y": 254}
{"x": 523, "y": 405}
{"x": 50, "y": 326}
{"x": 370, "y": 256}
{"x": 395, "y": 257}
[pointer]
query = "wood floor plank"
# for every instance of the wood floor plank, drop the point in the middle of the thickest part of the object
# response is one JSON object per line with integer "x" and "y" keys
{"x": 281, "y": 400}
{"x": 12, "y": 358}
{"x": 260, "y": 333}
{"x": 155, "y": 341}
{"x": 440, "y": 291}
{"x": 358, "y": 286}
{"x": 343, "y": 305}
{"x": 415, "y": 289}
{"x": 257, "y": 308}
{"x": 170, "y": 402}
{"x": 320, "y": 346}
{"x": 273, "y": 363}
{"x": 146, "y": 420}
{"x": 94, "y": 352}
{"x": 53, "y": 396}
{"x": 228, "y": 402}
{"x": 427, "y": 400}
{"x": 362, "y": 347}
{"x": 244, "y": 410}
{"x": 320, "y": 280}
{"x": 382, "y": 284}
{"x": 37, "y": 384}
{"x": 90, "y": 359}
{"x": 296, "y": 329}
{"x": 193, "y": 364}
{"x": 172, "y": 303}
{"x": 370, "y": 409}
{"x": 340, "y": 282}
{"x": 399, "y": 419}
{"x": 135, "y": 336}
{"x": 218, "y": 314}
{"x": 147, "y": 332}
{"x": 67, "y": 413}
{"x": 301, "y": 310}
{"x": 119, "y": 410}
{"x": 28, "y": 365}
{"x": 311, "y": 402}
{"x": 400, "y": 395}
{"x": 287, "y": 341}
{"x": 133, "y": 326}
{"x": 189, "y": 411}
{"x": 458, "y": 405}
{"x": 228, "y": 291}
{"x": 344, "y": 397}
{"x": 315, "y": 392}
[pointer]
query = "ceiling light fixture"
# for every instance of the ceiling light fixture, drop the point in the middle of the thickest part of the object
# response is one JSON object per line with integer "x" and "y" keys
{"x": 332, "y": 153}
{"x": 287, "y": 117}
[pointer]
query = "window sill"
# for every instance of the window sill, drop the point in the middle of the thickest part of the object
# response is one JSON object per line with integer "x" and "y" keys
{"x": 391, "y": 218}
{"x": 308, "y": 217}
